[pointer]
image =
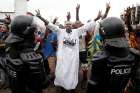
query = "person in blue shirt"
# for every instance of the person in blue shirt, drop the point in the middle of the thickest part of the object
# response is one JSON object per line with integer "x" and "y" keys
{"x": 49, "y": 50}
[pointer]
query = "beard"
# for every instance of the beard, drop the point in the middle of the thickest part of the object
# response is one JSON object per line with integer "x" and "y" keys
{"x": 68, "y": 30}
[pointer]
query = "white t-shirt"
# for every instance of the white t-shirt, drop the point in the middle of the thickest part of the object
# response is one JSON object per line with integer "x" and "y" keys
{"x": 68, "y": 55}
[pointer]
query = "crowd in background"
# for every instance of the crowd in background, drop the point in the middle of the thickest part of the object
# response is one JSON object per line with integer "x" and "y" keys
{"x": 47, "y": 43}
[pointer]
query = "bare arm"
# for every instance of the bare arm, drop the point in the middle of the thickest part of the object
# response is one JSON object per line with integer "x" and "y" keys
{"x": 77, "y": 12}
{"x": 8, "y": 19}
{"x": 55, "y": 20}
{"x": 106, "y": 11}
{"x": 51, "y": 26}
{"x": 98, "y": 16}
{"x": 40, "y": 17}
{"x": 128, "y": 19}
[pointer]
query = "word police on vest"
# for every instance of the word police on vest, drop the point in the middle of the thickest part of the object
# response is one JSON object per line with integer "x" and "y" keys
{"x": 121, "y": 71}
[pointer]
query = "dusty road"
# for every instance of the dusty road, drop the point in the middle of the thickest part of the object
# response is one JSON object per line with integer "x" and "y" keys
{"x": 53, "y": 89}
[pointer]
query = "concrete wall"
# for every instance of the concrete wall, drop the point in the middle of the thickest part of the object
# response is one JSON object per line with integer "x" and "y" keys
{"x": 20, "y": 8}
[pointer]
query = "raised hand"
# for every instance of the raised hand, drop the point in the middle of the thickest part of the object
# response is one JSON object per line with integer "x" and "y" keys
{"x": 108, "y": 6}
{"x": 98, "y": 16}
{"x": 128, "y": 14}
{"x": 39, "y": 16}
{"x": 107, "y": 10}
{"x": 78, "y": 7}
{"x": 128, "y": 11}
{"x": 55, "y": 20}
{"x": 38, "y": 13}
{"x": 68, "y": 16}
{"x": 77, "y": 12}
{"x": 8, "y": 18}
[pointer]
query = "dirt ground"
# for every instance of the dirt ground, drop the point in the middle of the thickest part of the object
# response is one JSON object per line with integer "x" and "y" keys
{"x": 54, "y": 89}
{"x": 50, "y": 89}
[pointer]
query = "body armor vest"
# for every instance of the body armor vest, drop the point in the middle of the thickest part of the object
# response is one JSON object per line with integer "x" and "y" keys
{"x": 110, "y": 74}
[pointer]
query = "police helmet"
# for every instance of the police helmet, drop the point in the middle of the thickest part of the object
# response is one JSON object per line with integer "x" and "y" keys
{"x": 23, "y": 28}
{"x": 112, "y": 31}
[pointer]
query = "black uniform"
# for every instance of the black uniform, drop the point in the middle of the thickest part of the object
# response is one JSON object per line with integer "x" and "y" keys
{"x": 3, "y": 75}
{"x": 135, "y": 79}
{"x": 111, "y": 67}
{"x": 24, "y": 66}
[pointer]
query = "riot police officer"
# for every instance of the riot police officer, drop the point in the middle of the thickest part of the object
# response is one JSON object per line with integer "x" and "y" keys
{"x": 111, "y": 67}
{"x": 24, "y": 66}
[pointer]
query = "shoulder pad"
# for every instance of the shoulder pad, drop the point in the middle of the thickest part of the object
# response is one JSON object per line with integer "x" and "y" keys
{"x": 2, "y": 62}
{"x": 100, "y": 55}
{"x": 134, "y": 51}
{"x": 30, "y": 56}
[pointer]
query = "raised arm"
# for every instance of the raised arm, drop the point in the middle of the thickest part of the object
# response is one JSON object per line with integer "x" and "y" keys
{"x": 55, "y": 20}
{"x": 7, "y": 19}
{"x": 107, "y": 10}
{"x": 77, "y": 12}
{"x": 127, "y": 19}
{"x": 49, "y": 25}
{"x": 68, "y": 16}
{"x": 98, "y": 16}
{"x": 40, "y": 17}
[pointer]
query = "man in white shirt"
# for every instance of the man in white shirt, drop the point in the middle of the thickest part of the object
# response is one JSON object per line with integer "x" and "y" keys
{"x": 67, "y": 67}
{"x": 68, "y": 54}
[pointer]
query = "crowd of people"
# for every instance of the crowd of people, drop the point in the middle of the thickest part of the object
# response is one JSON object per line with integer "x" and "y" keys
{"x": 35, "y": 53}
